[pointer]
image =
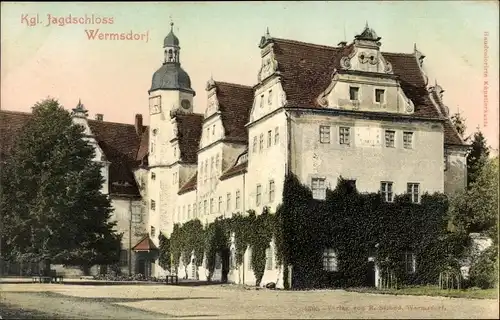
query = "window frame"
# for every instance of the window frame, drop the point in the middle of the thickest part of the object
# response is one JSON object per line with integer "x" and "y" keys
{"x": 382, "y": 100}
{"x": 345, "y": 139}
{"x": 318, "y": 188}
{"x": 325, "y": 134}
{"x": 388, "y": 191}
{"x": 389, "y": 132}
{"x": 330, "y": 260}
{"x": 258, "y": 195}
{"x": 408, "y": 144}
{"x": 410, "y": 189}
{"x": 356, "y": 91}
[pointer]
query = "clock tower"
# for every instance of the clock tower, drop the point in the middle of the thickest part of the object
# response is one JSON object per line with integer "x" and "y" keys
{"x": 170, "y": 94}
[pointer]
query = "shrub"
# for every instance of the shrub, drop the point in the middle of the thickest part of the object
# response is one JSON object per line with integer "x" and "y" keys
{"x": 484, "y": 272}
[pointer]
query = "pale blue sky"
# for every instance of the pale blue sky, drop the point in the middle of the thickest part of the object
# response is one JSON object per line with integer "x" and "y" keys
{"x": 112, "y": 77}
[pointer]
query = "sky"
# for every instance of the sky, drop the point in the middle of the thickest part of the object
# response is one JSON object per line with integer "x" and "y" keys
{"x": 220, "y": 39}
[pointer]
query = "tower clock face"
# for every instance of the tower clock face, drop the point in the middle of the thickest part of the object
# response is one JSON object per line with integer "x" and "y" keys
{"x": 185, "y": 104}
{"x": 155, "y": 105}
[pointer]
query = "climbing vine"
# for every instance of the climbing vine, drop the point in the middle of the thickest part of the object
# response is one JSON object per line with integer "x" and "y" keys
{"x": 164, "y": 254}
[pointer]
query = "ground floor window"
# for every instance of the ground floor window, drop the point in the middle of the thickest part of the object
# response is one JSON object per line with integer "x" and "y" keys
{"x": 330, "y": 262}
{"x": 269, "y": 258}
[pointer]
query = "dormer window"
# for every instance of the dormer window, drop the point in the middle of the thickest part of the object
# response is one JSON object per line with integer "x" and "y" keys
{"x": 379, "y": 95}
{"x": 354, "y": 93}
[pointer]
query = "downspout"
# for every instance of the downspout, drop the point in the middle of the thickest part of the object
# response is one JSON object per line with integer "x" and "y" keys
{"x": 244, "y": 198}
{"x": 130, "y": 240}
{"x": 288, "y": 169}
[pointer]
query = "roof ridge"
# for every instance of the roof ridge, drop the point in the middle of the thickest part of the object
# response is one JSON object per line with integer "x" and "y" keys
{"x": 233, "y": 84}
{"x": 308, "y": 44}
{"x": 16, "y": 112}
{"x": 111, "y": 122}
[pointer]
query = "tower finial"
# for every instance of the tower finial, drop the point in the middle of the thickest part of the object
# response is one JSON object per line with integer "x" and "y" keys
{"x": 366, "y": 25}
{"x": 267, "y": 31}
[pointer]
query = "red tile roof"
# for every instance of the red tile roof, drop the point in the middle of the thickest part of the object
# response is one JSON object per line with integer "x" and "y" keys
{"x": 118, "y": 141}
{"x": 306, "y": 71}
{"x": 235, "y": 103}
{"x": 146, "y": 244}
{"x": 190, "y": 185}
{"x": 235, "y": 170}
{"x": 189, "y": 128}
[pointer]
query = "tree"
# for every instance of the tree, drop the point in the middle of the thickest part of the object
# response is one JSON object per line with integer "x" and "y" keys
{"x": 459, "y": 124}
{"x": 51, "y": 203}
{"x": 477, "y": 157}
{"x": 476, "y": 209}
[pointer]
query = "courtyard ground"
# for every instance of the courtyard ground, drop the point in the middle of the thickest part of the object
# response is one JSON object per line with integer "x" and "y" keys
{"x": 66, "y": 301}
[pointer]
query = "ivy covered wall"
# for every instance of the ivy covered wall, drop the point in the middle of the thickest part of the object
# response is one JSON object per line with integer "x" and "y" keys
{"x": 356, "y": 226}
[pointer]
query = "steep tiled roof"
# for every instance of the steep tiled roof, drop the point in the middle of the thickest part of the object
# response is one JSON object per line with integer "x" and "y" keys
{"x": 11, "y": 123}
{"x": 144, "y": 144}
{"x": 235, "y": 102}
{"x": 190, "y": 185}
{"x": 118, "y": 141}
{"x": 306, "y": 71}
{"x": 189, "y": 133}
{"x": 234, "y": 171}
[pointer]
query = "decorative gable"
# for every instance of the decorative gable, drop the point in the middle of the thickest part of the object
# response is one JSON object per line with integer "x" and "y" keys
{"x": 365, "y": 55}
{"x": 269, "y": 64}
{"x": 212, "y": 101}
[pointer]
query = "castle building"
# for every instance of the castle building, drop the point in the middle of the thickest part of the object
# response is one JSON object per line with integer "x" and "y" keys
{"x": 317, "y": 111}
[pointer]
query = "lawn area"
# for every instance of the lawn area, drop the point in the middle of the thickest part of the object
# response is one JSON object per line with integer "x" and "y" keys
{"x": 472, "y": 293}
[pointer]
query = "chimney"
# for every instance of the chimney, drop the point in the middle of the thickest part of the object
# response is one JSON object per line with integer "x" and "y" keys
{"x": 138, "y": 124}
{"x": 342, "y": 44}
{"x": 99, "y": 116}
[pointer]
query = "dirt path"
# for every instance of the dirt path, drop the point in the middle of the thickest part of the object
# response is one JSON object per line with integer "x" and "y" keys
{"x": 50, "y": 305}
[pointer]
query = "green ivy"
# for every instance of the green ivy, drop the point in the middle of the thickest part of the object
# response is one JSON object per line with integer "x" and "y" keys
{"x": 164, "y": 252}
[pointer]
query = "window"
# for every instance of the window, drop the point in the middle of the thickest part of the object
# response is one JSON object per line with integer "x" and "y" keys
{"x": 345, "y": 135}
{"x": 189, "y": 211}
{"x": 205, "y": 207}
{"x": 386, "y": 190}
{"x": 175, "y": 152}
{"x": 270, "y": 97}
{"x": 269, "y": 258}
{"x": 212, "y": 163}
{"x": 201, "y": 173}
{"x": 413, "y": 190}
{"x": 220, "y": 204}
{"x": 208, "y": 133}
{"x": 211, "y": 205}
{"x": 123, "y": 257}
{"x": 228, "y": 201}
{"x": 254, "y": 149}
{"x": 389, "y": 138}
{"x": 324, "y": 134}
{"x": 152, "y": 147}
{"x": 318, "y": 188}
{"x": 261, "y": 142}
{"x": 213, "y": 130}
{"x": 153, "y": 232}
{"x": 258, "y": 197}
{"x": 194, "y": 210}
{"x": 271, "y": 191}
{"x": 379, "y": 95}
{"x": 238, "y": 199}
{"x": 408, "y": 140}
{"x": 262, "y": 101}
{"x": 410, "y": 262}
{"x": 330, "y": 262}
{"x": 276, "y": 135}
{"x": 136, "y": 218}
{"x": 174, "y": 177}
{"x": 183, "y": 212}
{"x": 353, "y": 93}
{"x": 153, "y": 205}
{"x": 217, "y": 162}
{"x": 153, "y": 176}
{"x": 269, "y": 138}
